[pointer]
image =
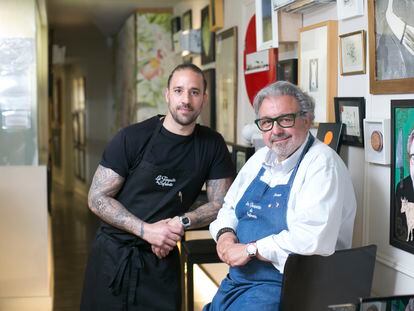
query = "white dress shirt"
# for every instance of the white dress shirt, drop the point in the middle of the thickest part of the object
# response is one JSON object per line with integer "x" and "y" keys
{"x": 321, "y": 207}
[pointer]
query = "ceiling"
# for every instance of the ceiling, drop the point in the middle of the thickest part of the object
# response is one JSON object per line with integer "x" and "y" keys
{"x": 107, "y": 15}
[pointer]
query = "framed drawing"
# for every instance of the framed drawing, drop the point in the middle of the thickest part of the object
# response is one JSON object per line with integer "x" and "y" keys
{"x": 402, "y": 168}
{"x": 349, "y": 8}
{"x": 318, "y": 66}
{"x": 352, "y": 49}
{"x": 377, "y": 141}
{"x": 266, "y": 25}
{"x": 216, "y": 15}
{"x": 330, "y": 134}
{"x": 226, "y": 84}
{"x": 208, "y": 38}
{"x": 391, "y": 47}
{"x": 187, "y": 21}
{"x": 208, "y": 114}
{"x": 351, "y": 112}
{"x": 287, "y": 70}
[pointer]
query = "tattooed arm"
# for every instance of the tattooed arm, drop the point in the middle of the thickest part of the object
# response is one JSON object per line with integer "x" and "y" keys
{"x": 105, "y": 185}
{"x": 206, "y": 213}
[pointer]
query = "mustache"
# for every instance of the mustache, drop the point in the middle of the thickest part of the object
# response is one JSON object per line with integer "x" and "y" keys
{"x": 276, "y": 137}
{"x": 185, "y": 106}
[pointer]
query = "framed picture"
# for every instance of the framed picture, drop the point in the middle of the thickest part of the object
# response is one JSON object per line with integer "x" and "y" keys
{"x": 226, "y": 84}
{"x": 330, "y": 134}
{"x": 377, "y": 141}
{"x": 216, "y": 15}
{"x": 402, "y": 168}
{"x": 266, "y": 25}
{"x": 208, "y": 114}
{"x": 257, "y": 62}
{"x": 390, "y": 72}
{"x": 187, "y": 20}
{"x": 351, "y": 112}
{"x": 240, "y": 154}
{"x": 287, "y": 70}
{"x": 352, "y": 49}
{"x": 208, "y": 38}
{"x": 318, "y": 66}
{"x": 349, "y": 8}
{"x": 175, "y": 33}
{"x": 278, "y": 4}
{"x": 397, "y": 302}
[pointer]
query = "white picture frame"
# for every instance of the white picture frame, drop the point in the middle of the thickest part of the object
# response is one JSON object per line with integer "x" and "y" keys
{"x": 349, "y": 8}
{"x": 257, "y": 62}
{"x": 377, "y": 151}
{"x": 266, "y": 26}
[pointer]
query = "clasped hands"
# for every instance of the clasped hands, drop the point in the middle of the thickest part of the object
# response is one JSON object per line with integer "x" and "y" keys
{"x": 163, "y": 235}
{"x": 230, "y": 251}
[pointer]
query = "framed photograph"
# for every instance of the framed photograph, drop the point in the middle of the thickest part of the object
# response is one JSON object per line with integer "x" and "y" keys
{"x": 391, "y": 47}
{"x": 175, "y": 33}
{"x": 318, "y": 66}
{"x": 216, "y": 15}
{"x": 208, "y": 114}
{"x": 349, "y": 8}
{"x": 266, "y": 26}
{"x": 287, "y": 70}
{"x": 377, "y": 141}
{"x": 351, "y": 112}
{"x": 330, "y": 134}
{"x": 240, "y": 154}
{"x": 226, "y": 84}
{"x": 257, "y": 62}
{"x": 187, "y": 20}
{"x": 402, "y": 168}
{"x": 352, "y": 49}
{"x": 208, "y": 38}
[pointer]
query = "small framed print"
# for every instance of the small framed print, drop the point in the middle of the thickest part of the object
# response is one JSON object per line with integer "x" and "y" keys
{"x": 349, "y": 8}
{"x": 287, "y": 70}
{"x": 351, "y": 112}
{"x": 187, "y": 21}
{"x": 208, "y": 38}
{"x": 377, "y": 141}
{"x": 330, "y": 134}
{"x": 352, "y": 49}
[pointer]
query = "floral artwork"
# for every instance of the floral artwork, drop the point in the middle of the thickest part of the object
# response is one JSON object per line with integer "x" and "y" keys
{"x": 155, "y": 61}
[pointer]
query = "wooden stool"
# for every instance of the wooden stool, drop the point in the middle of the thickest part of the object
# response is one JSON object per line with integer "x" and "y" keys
{"x": 196, "y": 252}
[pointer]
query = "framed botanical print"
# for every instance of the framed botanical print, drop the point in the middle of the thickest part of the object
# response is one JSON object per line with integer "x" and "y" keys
{"x": 351, "y": 112}
{"x": 208, "y": 38}
{"x": 352, "y": 49}
{"x": 391, "y": 47}
{"x": 318, "y": 63}
{"x": 402, "y": 173}
{"x": 226, "y": 84}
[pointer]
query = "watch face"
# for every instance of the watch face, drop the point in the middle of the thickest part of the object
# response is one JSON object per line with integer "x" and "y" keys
{"x": 185, "y": 221}
{"x": 251, "y": 250}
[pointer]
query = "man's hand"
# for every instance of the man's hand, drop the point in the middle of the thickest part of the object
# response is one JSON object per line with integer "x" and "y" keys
{"x": 235, "y": 255}
{"x": 176, "y": 228}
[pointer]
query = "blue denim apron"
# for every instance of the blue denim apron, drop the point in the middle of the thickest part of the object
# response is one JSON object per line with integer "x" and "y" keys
{"x": 260, "y": 212}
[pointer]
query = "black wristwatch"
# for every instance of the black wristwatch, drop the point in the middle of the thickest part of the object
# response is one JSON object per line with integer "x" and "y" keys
{"x": 185, "y": 221}
{"x": 224, "y": 230}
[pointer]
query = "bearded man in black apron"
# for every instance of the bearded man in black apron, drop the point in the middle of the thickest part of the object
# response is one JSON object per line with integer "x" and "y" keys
{"x": 150, "y": 174}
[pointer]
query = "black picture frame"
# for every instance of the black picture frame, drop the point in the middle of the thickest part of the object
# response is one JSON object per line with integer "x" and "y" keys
{"x": 330, "y": 134}
{"x": 402, "y": 124}
{"x": 208, "y": 114}
{"x": 175, "y": 28}
{"x": 287, "y": 70}
{"x": 208, "y": 38}
{"x": 240, "y": 154}
{"x": 351, "y": 112}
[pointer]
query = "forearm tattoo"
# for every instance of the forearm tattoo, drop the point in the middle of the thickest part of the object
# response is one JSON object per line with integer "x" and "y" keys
{"x": 105, "y": 185}
{"x": 216, "y": 191}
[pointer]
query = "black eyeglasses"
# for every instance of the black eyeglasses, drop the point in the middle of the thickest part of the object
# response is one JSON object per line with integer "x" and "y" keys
{"x": 284, "y": 121}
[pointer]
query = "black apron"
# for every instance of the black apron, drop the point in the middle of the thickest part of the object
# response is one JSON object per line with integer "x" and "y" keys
{"x": 122, "y": 272}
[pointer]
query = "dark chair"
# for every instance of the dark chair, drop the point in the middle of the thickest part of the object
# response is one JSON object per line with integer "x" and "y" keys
{"x": 313, "y": 282}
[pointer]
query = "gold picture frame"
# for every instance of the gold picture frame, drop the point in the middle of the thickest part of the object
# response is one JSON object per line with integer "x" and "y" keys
{"x": 380, "y": 81}
{"x": 318, "y": 66}
{"x": 353, "y": 55}
{"x": 216, "y": 14}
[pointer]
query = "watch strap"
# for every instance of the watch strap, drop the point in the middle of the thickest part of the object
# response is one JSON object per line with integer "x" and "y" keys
{"x": 224, "y": 230}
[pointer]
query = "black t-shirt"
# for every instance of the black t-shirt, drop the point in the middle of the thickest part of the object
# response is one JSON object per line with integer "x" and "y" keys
{"x": 170, "y": 150}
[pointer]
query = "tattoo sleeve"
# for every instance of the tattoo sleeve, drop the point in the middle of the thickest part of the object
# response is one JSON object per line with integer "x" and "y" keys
{"x": 105, "y": 185}
{"x": 206, "y": 213}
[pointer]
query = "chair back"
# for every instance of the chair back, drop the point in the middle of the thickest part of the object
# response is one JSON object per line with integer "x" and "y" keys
{"x": 313, "y": 282}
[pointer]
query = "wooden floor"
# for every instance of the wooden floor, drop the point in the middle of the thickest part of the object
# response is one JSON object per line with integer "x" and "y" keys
{"x": 73, "y": 227}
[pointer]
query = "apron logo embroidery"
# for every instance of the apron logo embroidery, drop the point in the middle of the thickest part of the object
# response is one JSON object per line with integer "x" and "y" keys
{"x": 164, "y": 181}
{"x": 277, "y": 195}
{"x": 250, "y": 212}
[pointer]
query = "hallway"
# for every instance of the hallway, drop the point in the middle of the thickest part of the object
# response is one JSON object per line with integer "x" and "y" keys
{"x": 73, "y": 227}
